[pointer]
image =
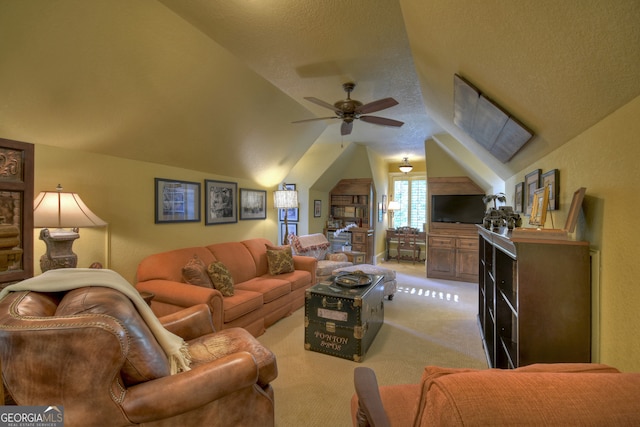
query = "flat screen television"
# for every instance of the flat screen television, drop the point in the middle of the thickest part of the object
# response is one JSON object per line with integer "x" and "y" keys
{"x": 458, "y": 208}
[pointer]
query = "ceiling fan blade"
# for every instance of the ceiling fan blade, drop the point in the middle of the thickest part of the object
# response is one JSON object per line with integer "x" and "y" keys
{"x": 312, "y": 120}
{"x": 322, "y": 103}
{"x": 378, "y": 105}
{"x": 381, "y": 121}
{"x": 346, "y": 128}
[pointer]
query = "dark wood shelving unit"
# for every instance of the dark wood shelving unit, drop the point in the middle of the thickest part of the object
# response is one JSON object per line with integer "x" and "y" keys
{"x": 534, "y": 300}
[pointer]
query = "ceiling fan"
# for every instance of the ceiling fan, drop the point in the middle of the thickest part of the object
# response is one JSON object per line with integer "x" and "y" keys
{"x": 349, "y": 110}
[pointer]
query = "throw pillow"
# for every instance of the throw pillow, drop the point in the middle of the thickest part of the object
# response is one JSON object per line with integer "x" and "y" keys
{"x": 195, "y": 273}
{"x": 280, "y": 259}
{"x": 221, "y": 278}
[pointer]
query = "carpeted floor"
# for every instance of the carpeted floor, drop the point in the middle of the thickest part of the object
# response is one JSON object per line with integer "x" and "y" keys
{"x": 429, "y": 322}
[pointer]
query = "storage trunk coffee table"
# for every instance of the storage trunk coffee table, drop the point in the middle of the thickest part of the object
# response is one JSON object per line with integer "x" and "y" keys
{"x": 343, "y": 319}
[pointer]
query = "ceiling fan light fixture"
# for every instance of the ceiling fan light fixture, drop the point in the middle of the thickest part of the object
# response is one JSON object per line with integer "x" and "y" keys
{"x": 405, "y": 166}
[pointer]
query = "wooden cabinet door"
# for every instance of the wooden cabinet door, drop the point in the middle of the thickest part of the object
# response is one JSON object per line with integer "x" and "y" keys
{"x": 16, "y": 211}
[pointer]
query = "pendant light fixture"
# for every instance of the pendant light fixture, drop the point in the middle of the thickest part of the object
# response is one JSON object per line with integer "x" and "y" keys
{"x": 405, "y": 166}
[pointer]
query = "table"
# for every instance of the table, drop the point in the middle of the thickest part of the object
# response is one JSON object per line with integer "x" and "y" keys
{"x": 343, "y": 321}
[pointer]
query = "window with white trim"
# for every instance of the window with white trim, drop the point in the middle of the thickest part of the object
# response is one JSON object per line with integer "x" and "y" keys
{"x": 410, "y": 191}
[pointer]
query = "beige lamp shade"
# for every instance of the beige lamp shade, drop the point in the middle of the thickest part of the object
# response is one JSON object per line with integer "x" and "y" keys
{"x": 285, "y": 199}
{"x": 56, "y": 209}
{"x": 394, "y": 206}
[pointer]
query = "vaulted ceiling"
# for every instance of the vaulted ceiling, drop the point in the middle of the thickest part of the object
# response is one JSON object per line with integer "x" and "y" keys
{"x": 214, "y": 85}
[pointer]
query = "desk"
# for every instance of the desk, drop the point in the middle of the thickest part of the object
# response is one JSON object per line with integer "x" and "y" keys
{"x": 391, "y": 234}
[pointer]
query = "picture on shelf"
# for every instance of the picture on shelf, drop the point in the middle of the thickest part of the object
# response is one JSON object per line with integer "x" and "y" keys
{"x": 539, "y": 207}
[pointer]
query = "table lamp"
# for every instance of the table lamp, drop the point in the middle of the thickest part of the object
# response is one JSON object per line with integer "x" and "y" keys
{"x": 393, "y": 206}
{"x": 285, "y": 199}
{"x": 57, "y": 210}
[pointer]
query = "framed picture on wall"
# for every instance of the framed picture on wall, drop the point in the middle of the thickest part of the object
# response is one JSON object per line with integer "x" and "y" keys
{"x": 221, "y": 202}
{"x": 317, "y": 208}
{"x": 176, "y": 201}
{"x": 292, "y": 229}
{"x": 531, "y": 184}
{"x": 518, "y": 198}
{"x": 253, "y": 204}
{"x": 551, "y": 179}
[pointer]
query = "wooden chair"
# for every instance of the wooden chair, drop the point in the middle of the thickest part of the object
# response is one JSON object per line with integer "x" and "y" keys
{"x": 408, "y": 242}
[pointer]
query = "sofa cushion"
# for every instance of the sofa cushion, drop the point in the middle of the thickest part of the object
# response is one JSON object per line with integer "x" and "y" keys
{"x": 237, "y": 258}
{"x": 270, "y": 287}
{"x": 145, "y": 358}
{"x": 280, "y": 259}
{"x": 242, "y": 302}
{"x": 297, "y": 278}
{"x": 168, "y": 265}
{"x": 258, "y": 249}
{"x": 504, "y": 397}
{"x": 221, "y": 278}
{"x": 195, "y": 273}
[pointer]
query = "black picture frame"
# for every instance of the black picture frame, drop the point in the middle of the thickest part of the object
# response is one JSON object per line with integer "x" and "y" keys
{"x": 518, "y": 198}
{"x": 551, "y": 179}
{"x": 531, "y": 184}
{"x": 221, "y": 202}
{"x": 317, "y": 208}
{"x": 293, "y": 229}
{"x": 176, "y": 201}
{"x": 253, "y": 204}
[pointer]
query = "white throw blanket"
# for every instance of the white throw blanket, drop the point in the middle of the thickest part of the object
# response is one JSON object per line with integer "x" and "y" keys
{"x": 66, "y": 279}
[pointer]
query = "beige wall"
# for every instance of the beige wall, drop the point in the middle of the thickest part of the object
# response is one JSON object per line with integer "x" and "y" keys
{"x": 605, "y": 160}
{"x": 121, "y": 192}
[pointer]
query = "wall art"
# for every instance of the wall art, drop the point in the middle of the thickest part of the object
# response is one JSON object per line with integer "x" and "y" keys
{"x": 531, "y": 184}
{"x": 221, "y": 202}
{"x": 176, "y": 201}
{"x": 551, "y": 179}
{"x": 253, "y": 204}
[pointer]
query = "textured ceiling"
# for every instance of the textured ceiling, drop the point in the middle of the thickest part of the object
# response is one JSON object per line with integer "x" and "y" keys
{"x": 215, "y": 85}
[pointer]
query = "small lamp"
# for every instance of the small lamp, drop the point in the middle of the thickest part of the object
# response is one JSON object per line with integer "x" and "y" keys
{"x": 405, "y": 166}
{"x": 57, "y": 209}
{"x": 285, "y": 199}
{"x": 393, "y": 206}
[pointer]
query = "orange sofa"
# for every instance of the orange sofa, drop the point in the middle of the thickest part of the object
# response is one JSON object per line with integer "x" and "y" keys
{"x": 259, "y": 299}
{"x": 540, "y": 394}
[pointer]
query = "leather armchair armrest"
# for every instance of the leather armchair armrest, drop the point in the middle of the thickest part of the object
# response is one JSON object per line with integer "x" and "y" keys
{"x": 370, "y": 409}
{"x": 190, "y": 323}
{"x": 186, "y": 391}
{"x": 184, "y": 295}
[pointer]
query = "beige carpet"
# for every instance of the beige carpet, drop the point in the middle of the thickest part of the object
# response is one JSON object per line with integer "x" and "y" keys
{"x": 429, "y": 322}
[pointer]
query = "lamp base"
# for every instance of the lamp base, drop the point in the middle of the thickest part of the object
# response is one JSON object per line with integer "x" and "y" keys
{"x": 59, "y": 253}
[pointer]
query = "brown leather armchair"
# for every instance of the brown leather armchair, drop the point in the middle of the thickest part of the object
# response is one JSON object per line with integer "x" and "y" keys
{"x": 89, "y": 351}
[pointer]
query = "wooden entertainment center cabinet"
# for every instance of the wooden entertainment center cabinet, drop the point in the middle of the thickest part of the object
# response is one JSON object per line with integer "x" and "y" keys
{"x": 452, "y": 248}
